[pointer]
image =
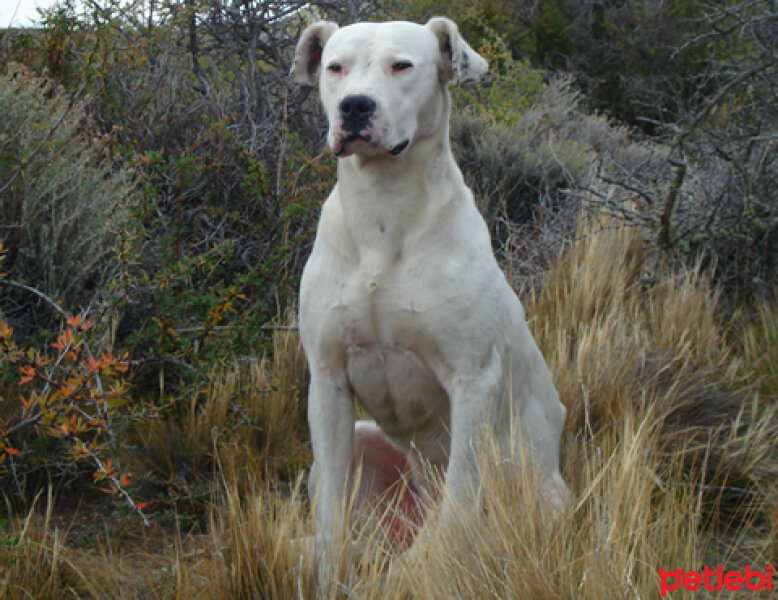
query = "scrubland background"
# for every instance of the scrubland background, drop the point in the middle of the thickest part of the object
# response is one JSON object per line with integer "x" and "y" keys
{"x": 160, "y": 181}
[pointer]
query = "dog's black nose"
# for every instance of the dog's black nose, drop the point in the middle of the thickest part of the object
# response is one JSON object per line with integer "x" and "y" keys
{"x": 356, "y": 110}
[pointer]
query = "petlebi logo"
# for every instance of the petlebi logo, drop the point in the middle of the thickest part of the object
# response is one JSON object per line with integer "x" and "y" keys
{"x": 716, "y": 580}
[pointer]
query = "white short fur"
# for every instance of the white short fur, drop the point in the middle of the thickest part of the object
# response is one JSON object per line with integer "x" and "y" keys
{"x": 402, "y": 303}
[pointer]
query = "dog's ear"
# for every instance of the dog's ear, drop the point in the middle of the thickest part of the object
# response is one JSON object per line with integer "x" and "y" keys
{"x": 459, "y": 62}
{"x": 307, "y": 56}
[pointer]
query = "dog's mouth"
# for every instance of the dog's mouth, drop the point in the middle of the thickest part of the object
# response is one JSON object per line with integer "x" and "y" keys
{"x": 399, "y": 148}
{"x": 367, "y": 139}
{"x": 350, "y": 139}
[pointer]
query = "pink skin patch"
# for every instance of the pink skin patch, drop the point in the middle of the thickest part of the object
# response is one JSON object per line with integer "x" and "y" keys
{"x": 386, "y": 480}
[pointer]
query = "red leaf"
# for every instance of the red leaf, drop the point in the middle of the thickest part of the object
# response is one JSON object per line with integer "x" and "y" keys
{"x": 28, "y": 374}
{"x": 142, "y": 505}
{"x": 12, "y": 451}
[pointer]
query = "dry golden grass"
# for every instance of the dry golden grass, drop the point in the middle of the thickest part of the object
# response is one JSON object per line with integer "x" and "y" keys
{"x": 34, "y": 561}
{"x": 248, "y": 425}
{"x": 759, "y": 349}
{"x": 670, "y": 451}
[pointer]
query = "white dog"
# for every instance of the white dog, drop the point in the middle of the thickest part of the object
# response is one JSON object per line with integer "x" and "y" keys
{"x": 402, "y": 303}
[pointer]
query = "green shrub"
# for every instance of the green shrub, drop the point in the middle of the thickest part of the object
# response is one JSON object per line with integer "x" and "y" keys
{"x": 213, "y": 271}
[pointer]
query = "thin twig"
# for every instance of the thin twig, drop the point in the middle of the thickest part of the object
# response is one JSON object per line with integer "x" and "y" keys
{"x": 119, "y": 487}
{"x": 38, "y": 293}
{"x": 280, "y": 327}
{"x": 228, "y": 328}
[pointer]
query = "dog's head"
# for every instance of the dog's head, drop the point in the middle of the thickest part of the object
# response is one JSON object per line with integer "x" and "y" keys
{"x": 383, "y": 84}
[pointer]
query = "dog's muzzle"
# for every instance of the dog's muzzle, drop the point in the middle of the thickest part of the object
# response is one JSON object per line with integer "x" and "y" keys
{"x": 357, "y": 112}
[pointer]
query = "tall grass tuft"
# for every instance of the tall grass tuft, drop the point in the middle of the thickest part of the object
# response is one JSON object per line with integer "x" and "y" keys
{"x": 34, "y": 559}
{"x": 618, "y": 344}
{"x": 246, "y": 425}
{"x": 759, "y": 349}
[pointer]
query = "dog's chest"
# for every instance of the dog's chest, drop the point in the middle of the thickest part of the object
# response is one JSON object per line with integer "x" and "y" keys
{"x": 395, "y": 387}
{"x": 379, "y": 303}
{"x": 382, "y": 327}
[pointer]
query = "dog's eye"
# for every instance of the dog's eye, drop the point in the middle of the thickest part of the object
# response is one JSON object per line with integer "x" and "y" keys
{"x": 335, "y": 68}
{"x": 401, "y": 65}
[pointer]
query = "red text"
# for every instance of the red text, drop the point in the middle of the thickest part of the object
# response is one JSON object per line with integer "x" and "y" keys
{"x": 716, "y": 579}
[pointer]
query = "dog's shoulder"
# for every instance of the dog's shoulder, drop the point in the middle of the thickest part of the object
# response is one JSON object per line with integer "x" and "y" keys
{"x": 333, "y": 243}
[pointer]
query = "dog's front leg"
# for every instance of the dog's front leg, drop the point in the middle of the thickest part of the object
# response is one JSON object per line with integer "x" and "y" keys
{"x": 475, "y": 397}
{"x": 331, "y": 422}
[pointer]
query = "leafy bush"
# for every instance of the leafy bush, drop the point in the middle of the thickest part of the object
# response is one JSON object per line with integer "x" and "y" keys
{"x": 214, "y": 273}
{"x": 64, "y": 422}
{"x": 642, "y": 62}
{"x": 63, "y": 204}
{"x": 511, "y": 164}
{"x": 525, "y": 167}
{"x": 708, "y": 194}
